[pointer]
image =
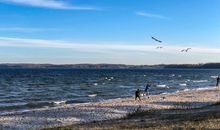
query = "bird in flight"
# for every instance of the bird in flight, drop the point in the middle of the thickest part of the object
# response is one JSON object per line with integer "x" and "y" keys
{"x": 186, "y": 50}
{"x": 159, "y": 47}
{"x": 155, "y": 39}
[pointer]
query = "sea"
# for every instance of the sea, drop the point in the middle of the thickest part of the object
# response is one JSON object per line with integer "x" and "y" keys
{"x": 31, "y": 89}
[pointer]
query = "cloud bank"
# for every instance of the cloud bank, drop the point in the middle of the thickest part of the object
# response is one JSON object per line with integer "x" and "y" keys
{"x": 104, "y": 46}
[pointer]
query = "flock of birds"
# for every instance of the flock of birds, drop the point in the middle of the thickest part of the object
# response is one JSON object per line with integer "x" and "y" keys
{"x": 160, "y": 47}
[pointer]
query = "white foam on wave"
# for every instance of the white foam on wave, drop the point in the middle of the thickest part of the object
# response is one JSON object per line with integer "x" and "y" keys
{"x": 109, "y": 79}
{"x": 185, "y": 90}
{"x": 172, "y": 75}
{"x": 122, "y": 86}
{"x": 183, "y": 84}
{"x": 92, "y": 95}
{"x": 162, "y": 86}
{"x": 214, "y": 77}
{"x": 59, "y": 102}
{"x": 205, "y": 88}
{"x": 199, "y": 81}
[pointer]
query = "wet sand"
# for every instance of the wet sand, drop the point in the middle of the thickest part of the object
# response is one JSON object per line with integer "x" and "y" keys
{"x": 110, "y": 109}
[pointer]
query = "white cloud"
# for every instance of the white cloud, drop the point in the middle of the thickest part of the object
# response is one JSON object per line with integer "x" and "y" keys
{"x": 150, "y": 15}
{"x": 53, "y": 4}
{"x": 103, "y": 47}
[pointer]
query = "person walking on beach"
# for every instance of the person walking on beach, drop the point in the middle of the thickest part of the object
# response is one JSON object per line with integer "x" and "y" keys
{"x": 147, "y": 89}
{"x": 217, "y": 84}
{"x": 137, "y": 94}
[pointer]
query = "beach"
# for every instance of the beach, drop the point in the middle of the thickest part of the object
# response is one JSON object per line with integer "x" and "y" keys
{"x": 106, "y": 110}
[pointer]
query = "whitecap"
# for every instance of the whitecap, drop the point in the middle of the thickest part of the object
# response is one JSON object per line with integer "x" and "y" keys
{"x": 199, "y": 81}
{"x": 92, "y": 95}
{"x": 95, "y": 84}
{"x": 59, "y": 102}
{"x": 183, "y": 84}
{"x": 186, "y": 90}
{"x": 172, "y": 75}
{"x": 162, "y": 86}
{"x": 214, "y": 77}
{"x": 205, "y": 88}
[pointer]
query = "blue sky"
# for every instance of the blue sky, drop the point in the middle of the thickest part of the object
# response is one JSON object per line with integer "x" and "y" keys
{"x": 109, "y": 31}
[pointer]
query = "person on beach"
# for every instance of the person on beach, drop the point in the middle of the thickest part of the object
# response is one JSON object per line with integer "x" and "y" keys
{"x": 217, "y": 84}
{"x": 137, "y": 94}
{"x": 147, "y": 89}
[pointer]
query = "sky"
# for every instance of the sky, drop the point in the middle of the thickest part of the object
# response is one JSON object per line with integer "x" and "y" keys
{"x": 109, "y": 31}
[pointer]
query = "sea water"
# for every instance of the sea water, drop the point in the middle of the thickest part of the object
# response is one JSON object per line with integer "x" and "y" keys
{"x": 29, "y": 89}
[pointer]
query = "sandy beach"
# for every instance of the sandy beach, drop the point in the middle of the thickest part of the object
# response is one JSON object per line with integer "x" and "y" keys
{"x": 109, "y": 109}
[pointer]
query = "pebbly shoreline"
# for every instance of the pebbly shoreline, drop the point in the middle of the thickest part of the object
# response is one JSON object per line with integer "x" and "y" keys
{"x": 110, "y": 109}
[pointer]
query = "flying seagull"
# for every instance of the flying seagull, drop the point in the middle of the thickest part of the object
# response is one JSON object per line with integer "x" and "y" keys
{"x": 186, "y": 50}
{"x": 183, "y": 50}
{"x": 156, "y": 39}
{"x": 159, "y": 47}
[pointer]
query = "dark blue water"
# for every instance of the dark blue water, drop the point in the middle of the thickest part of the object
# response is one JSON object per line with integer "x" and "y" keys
{"x": 24, "y": 89}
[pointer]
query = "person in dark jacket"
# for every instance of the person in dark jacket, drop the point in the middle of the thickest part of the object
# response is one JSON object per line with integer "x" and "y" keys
{"x": 217, "y": 84}
{"x": 137, "y": 94}
{"x": 147, "y": 90}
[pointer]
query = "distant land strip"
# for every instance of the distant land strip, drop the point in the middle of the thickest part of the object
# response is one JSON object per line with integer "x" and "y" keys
{"x": 111, "y": 66}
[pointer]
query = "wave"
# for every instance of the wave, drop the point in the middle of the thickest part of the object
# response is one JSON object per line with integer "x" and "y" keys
{"x": 59, "y": 102}
{"x": 188, "y": 80}
{"x": 172, "y": 75}
{"x": 95, "y": 84}
{"x": 185, "y": 90}
{"x": 183, "y": 84}
{"x": 162, "y": 86}
{"x": 205, "y": 88}
{"x": 200, "y": 81}
{"x": 214, "y": 77}
{"x": 92, "y": 95}
{"x": 109, "y": 79}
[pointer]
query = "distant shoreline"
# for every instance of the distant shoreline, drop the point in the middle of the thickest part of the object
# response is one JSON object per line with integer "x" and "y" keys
{"x": 109, "y": 66}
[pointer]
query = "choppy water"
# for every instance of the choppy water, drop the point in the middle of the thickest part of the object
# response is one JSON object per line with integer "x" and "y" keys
{"x": 25, "y": 89}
